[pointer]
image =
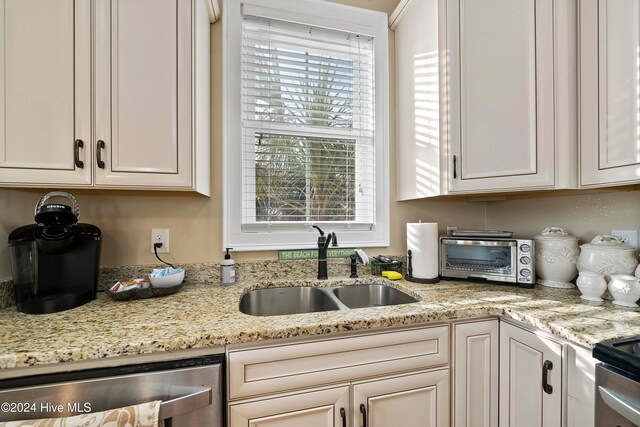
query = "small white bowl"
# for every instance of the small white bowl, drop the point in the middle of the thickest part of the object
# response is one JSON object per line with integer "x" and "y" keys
{"x": 592, "y": 285}
{"x": 625, "y": 290}
{"x": 168, "y": 281}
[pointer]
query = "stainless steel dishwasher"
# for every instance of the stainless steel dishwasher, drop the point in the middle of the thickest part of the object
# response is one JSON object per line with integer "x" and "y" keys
{"x": 618, "y": 383}
{"x": 191, "y": 391}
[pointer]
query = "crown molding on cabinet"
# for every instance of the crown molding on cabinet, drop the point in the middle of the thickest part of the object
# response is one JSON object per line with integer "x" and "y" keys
{"x": 398, "y": 13}
{"x": 213, "y": 7}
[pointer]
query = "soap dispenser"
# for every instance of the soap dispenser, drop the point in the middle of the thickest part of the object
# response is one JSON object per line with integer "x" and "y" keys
{"x": 227, "y": 270}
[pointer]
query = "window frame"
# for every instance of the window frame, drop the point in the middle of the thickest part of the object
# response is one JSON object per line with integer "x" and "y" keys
{"x": 290, "y": 235}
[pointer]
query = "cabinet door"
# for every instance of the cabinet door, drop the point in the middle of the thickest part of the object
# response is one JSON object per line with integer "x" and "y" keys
{"x": 420, "y": 144}
{"x": 610, "y": 92}
{"x": 523, "y": 356}
{"x": 143, "y": 89}
{"x": 415, "y": 400}
{"x": 475, "y": 374}
{"x": 581, "y": 386}
{"x": 501, "y": 94}
{"x": 320, "y": 408}
{"x": 45, "y": 89}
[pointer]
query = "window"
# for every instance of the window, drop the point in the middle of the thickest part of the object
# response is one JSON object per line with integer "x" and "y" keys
{"x": 305, "y": 136}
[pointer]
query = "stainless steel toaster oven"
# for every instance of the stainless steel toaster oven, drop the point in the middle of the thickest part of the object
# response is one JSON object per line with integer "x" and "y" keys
{"x": 492, "y": 259}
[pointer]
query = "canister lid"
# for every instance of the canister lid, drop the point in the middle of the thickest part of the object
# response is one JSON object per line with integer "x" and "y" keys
{"x": 607, "y": 242}
{"x": 555, "y": 233}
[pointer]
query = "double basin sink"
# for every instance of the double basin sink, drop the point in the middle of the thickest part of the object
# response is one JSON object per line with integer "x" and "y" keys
{"x": 308, "y": 299}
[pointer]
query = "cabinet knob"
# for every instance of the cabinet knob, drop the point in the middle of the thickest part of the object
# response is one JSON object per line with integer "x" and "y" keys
{"x": 100, "y": 147}
{"x": 343, "y": 416}
{"x": 77, "y": 145}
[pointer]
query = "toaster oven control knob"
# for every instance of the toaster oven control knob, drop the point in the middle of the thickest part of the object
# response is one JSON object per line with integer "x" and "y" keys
{"x": 525, "y": 272}
{"x": 525, "y": 248}
{"x": 525, "y": 260}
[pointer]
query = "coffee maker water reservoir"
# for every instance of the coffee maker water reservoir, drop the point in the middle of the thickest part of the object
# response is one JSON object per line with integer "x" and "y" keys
{"x": 55, "y": 263}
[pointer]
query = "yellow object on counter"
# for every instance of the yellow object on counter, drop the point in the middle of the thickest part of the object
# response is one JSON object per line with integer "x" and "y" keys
{"x": 392, "y": 275}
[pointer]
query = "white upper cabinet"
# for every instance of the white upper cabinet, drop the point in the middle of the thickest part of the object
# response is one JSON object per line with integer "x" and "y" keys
{"x": 610, "y": 92}
{"x": 146, "y": 123}
{"x": 143, "y": 92}
{"x": 486, "y": 96}
{"x": 418, "y": 90}
{"x": 509, "y": 104}
{"x": 45, "y": 89}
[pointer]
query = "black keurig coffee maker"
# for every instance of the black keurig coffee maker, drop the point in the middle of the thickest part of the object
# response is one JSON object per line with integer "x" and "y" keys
{"x": 54, "y": 262}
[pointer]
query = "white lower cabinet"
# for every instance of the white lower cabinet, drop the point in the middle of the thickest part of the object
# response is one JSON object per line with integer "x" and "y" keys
{"x": 501, "y": 375}
{"x": 419, "y": 399}
{"x": 316, "y": 408}
{"x": 531, "y": 390}
{"x": 581, "y": 387}
{"x": 474, "y": 369}
{"x": 393, "y": 378}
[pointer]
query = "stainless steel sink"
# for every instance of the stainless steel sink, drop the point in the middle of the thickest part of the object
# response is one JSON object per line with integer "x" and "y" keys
{"x": 308, "y": 299}
{"x": 371, "y": 295}
{"x": 289, "y": 300}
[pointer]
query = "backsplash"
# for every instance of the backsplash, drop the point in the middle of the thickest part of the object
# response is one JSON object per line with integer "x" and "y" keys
{"x": 582, "y": 215}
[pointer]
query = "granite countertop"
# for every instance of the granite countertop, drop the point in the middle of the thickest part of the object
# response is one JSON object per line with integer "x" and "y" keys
{"x": 205, "y": 315}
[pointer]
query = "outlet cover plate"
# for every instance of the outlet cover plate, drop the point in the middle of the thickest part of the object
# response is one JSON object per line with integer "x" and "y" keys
{"x": 628, "y": 237}
{"x": 160, "y": 235}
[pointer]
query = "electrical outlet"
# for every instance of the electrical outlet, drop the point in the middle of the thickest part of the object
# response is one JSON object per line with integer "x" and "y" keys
{"x": 160, "y": 235}
{"x": 628, "y": 237}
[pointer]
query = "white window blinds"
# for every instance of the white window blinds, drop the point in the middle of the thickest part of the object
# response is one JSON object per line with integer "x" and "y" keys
{"x": 307, "y": 124}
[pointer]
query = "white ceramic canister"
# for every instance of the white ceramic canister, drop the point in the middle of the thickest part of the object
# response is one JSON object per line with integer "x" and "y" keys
{"x": 607, "y": 255}
{"x": 556, "y": 257}
{"x": 625, "y": 290}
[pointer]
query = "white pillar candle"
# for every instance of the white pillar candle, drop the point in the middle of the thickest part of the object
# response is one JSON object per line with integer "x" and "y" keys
{"x": 422, "y": 241}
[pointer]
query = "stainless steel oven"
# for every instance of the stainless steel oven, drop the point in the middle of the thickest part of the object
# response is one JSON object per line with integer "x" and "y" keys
{"x": 493, "y": 259}
{"x": 190, "y": 390}
{"x": 618, "y": 383}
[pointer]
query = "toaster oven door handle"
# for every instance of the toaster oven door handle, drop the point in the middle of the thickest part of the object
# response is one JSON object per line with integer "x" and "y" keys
{"x": 479, "y": 242}
{"x": 184, "y": 404}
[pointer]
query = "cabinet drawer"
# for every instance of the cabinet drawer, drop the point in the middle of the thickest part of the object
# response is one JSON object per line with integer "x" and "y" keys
{"x": 297, "y": 365}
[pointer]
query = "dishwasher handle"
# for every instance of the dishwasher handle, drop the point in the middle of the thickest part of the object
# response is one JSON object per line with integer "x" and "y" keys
{"x": 626, "y": 406}
{"x": 184, "y": 404}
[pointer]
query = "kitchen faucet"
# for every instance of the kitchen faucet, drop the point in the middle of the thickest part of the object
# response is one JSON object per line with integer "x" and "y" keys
{"x": 323, "y": 244}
